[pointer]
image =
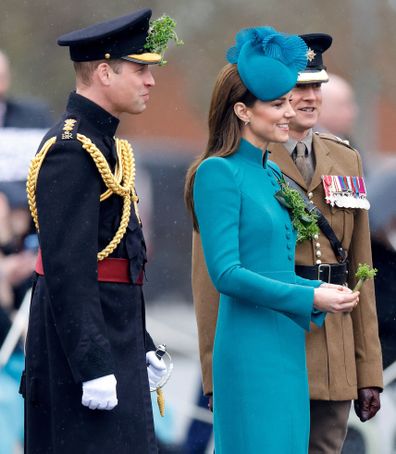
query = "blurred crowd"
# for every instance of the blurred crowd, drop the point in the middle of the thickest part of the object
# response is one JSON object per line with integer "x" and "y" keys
{"x": 19, "y": 243}
{"x": 17, "y": 260}
{"x": 18, "y": 248}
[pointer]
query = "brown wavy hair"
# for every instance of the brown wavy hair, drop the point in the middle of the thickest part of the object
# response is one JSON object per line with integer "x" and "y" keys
{"x": 224, "y": 126}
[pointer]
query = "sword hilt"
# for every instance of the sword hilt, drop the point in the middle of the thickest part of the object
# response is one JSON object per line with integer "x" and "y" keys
{"x": 160, "y": 351}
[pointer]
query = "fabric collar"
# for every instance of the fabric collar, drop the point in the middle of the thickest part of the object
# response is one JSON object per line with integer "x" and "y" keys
{"x": 252, "y": 154}
{"x": 290, "y": 145}
{"x": 105, "y": 123}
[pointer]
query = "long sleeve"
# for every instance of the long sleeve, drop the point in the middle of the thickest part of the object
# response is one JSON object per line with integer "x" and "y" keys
{"x": 364, "y": 316}
{"x": 206, "y": 305}
{"x": 69, "y": 189}
{"x": 308, "y": 282}
{"x": 217, "y": 204}
{"x": 317, "y": 316}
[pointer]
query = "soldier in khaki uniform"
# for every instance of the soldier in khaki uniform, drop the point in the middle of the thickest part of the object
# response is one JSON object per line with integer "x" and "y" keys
{"x": 343, "y": 357}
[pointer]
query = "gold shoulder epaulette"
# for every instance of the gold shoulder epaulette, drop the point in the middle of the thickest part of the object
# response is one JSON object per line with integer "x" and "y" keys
{"x": 69, "y": 129}
{"x": 333, "y": 138}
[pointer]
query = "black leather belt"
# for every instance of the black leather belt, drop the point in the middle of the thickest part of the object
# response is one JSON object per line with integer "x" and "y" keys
{"x": 336, "y": 273}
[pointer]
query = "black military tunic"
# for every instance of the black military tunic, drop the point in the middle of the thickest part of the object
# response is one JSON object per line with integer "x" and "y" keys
{"x": 79, "y": 328}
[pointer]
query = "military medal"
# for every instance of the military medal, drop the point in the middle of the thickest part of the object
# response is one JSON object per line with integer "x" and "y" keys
{"x": 355, "y": 192}
{"x": 363, "y": 193}
{"x": 359, "y": 196}
{"x": 339, "y": 199}
{"x": 345, "y": 191}
{"x": 351, "y": 193}
{"x": 343, "y": 200}
{"x": 349, "y": 196}
{"x": 329, "y": 189}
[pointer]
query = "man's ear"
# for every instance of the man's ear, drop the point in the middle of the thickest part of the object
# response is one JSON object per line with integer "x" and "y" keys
{"x": 104, "y": 73}
{"x": 242, "y": 112}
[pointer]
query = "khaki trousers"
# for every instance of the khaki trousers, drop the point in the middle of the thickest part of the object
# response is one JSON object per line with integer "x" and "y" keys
{"x": 329, "y": 421}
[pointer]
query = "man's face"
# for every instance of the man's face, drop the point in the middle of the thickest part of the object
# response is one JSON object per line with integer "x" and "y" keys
{"x": 306, "y": 101}
{"x": 130, "y": 88}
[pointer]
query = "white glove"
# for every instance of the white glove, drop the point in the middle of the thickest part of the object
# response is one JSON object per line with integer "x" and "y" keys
{"x": 156, "y": 369}
{"x": 100, "y": 393}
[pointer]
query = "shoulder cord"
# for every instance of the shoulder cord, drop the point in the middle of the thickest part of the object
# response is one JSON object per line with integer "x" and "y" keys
{"x": 121, "y": 183}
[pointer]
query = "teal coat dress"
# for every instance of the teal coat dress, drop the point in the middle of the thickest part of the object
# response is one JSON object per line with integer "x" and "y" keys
{"x": 261, "y": 400}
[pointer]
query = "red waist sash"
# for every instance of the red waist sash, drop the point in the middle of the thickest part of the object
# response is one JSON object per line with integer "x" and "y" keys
{"x": 109, "y": 270}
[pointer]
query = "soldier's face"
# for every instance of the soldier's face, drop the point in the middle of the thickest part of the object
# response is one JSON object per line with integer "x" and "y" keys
{"x": 130, "y": 88}
{"x": 306, "y": 102}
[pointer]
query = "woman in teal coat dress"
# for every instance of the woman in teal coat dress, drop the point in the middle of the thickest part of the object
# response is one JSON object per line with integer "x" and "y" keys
{"x": 261, "y": 402}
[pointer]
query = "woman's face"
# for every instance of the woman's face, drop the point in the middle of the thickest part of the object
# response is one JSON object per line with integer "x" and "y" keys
{"x": 269, "y": 121}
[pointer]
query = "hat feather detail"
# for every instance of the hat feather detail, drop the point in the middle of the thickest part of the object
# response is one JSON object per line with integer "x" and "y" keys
{"x": 290, "y": 50}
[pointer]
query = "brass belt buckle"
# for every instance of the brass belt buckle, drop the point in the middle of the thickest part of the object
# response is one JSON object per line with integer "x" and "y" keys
{"x": 324, "y": 265}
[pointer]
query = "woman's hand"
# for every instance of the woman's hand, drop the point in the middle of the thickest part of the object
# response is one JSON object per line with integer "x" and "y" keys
{"x": 335, "y": 298}
{"x": 342, "y": 288}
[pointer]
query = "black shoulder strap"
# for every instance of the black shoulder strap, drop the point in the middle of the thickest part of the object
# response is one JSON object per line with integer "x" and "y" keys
{"x": 323, "y": 224}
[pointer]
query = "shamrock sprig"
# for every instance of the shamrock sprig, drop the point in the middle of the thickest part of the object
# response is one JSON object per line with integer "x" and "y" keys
{"x": 161, "y": 31}
{"x": 304, "y": 222}
{"x": 363, "y": 273}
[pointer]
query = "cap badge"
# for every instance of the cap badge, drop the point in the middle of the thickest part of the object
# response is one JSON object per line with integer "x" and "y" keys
{"x": 310, "y": 54}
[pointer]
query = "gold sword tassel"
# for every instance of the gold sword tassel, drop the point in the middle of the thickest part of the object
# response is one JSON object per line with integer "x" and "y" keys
{"x": 161, "y": 401}
{"x": 135, "y": 201}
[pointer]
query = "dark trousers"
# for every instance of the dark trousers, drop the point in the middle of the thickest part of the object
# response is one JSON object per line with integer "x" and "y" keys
{"x": 329, "y": 421}
{"x": 199, "y": 433}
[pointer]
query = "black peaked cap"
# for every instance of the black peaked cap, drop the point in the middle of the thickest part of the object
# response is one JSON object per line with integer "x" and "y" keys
{"x": 111, "y": 39}
{"x": 318, "y": 43}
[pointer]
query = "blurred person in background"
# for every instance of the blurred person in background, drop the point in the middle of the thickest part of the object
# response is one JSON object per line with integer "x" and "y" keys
{"x": 339, "y": 110}
{"x": 19, "y": 113}
{"x": 18, "y": 244}
{"x": 17, "y": 261}
{"x": 343, "y": 357}
{"x": 383, "y": 242}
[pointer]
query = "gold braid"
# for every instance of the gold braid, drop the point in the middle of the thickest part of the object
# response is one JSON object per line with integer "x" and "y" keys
{"x": 121, "y": 183}
{"x": 117, "y": 172}
{"x": 31, "y": 182}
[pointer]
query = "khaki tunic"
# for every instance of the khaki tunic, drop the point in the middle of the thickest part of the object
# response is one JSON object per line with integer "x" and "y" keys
{"x": 345, "y": 354}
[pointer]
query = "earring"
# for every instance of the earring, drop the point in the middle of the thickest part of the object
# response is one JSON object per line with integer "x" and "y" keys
{"x": 247, "y": 122}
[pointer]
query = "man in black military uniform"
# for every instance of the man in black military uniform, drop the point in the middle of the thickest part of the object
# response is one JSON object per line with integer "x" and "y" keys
{"x": 87, "y": 349}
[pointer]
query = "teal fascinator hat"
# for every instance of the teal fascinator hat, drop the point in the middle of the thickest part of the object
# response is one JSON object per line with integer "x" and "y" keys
{"x": 268, "y": 62}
